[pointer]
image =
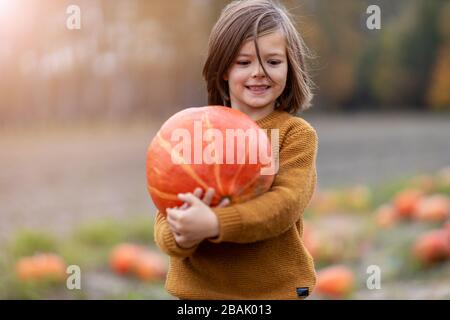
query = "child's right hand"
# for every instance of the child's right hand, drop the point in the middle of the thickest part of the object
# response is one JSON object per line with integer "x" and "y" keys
{"x": 194, "y": 220}
{"x": 207, "y": 198}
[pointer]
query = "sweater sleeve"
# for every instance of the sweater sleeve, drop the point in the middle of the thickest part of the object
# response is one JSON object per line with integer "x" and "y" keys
{"x": 165, "y": 239}
{"x": 275, "y": 211}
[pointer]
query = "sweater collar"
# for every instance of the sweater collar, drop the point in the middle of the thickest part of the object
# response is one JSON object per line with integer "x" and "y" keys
{"x": 268, "y": 119}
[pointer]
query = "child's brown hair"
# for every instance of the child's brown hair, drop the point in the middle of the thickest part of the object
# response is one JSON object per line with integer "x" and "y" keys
{"x": 242, "y": 20}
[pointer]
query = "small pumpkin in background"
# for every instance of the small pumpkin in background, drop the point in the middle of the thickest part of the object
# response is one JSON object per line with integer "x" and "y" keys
{"x": 435, "y": 208}
{"x": 385, "y": 216}
{"x": 123, "y": 257}
{"x": 128, "y": 258}
{"x": 335, "y": 281}
{"x": 432, "y": 246}
{"x": 150, "y": 266}
{"x": 41, "y": 266}
{"x": 406, "y": 201}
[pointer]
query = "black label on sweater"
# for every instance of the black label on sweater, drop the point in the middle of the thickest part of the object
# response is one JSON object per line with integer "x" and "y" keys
{"x": 302, "y": 292}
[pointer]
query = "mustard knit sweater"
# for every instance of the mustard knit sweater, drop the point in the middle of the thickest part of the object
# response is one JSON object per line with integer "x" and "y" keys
{"x": 259, "y": 253}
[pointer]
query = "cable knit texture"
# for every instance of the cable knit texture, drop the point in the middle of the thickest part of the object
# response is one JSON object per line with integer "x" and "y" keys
{"x": 259, "y": 253}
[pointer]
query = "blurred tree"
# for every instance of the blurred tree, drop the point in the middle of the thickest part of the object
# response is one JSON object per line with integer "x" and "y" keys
{"x": 364, "y": 97}
{"x": 336, "y": 38}
{"x": 409, "y": 46}
{"x": 439, "y": 90}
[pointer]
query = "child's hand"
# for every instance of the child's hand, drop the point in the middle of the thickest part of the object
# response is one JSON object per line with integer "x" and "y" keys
{"x": 196, "y": 222}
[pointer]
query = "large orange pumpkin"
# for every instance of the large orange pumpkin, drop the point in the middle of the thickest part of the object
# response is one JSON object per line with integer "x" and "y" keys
{"x": 198, "y": 147}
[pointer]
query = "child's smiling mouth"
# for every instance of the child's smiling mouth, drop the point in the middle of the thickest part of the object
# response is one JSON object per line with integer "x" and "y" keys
{"x": 258, "y": 89}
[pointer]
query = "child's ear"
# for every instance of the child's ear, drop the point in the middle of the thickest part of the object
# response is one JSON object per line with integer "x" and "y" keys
{"x": 225, "y": 77}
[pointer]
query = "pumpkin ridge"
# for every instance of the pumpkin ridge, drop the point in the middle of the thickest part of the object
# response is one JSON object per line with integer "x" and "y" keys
{"x": 162, "y": 194}
{"x": 216, "y": 163}
{"x": 186, "y": 168}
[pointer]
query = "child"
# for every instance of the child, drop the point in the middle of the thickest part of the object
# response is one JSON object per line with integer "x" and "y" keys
{"x": 250, "y": 250}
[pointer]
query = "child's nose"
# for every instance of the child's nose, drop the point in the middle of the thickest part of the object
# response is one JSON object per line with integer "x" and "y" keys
{"x": 258, "y": 71}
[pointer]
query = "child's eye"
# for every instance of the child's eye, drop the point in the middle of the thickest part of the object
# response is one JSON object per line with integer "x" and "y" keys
{"x": 244, "y": 63}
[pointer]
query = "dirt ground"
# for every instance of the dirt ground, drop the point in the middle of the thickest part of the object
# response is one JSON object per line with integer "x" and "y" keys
{"x": 375, "y": 148}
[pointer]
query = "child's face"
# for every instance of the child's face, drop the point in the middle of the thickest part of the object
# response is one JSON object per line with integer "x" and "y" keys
{"x": 250, "y": 90}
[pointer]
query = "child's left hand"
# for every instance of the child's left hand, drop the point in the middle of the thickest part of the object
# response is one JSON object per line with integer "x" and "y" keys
{"x": 196, "y": 222}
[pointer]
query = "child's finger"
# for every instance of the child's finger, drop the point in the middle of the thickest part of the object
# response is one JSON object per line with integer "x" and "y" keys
{"x": 188, "y": 197}
{"x": 173, "y": 228}
{"x": 173, "y": 214}
{"x": 175, "y": 232}
{"x": 209, "y": 196}
{"x": 169, "y": 219}
{"x": 173, "y": 225}
{"x": 224, "y": 203}
{"x": 179, "y": 238}
{"x": 184, "y": 206}
{"x": 198, "y": 192}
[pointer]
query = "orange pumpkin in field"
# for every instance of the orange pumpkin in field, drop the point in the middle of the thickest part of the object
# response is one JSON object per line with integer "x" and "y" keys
{"x": 406, "y": 201}
{"x": 335, "y": 281}
{"x": 433, "y": 208}
{"x": 385, "y": 216}
{"x": 124, "y": 256}
{"x": 433, "y": 246}
{"x": 150, "y": 266}
{"x": 137, "y": 260}
{"x": 212, "y": 146}
{"x": 42, "y": 266}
